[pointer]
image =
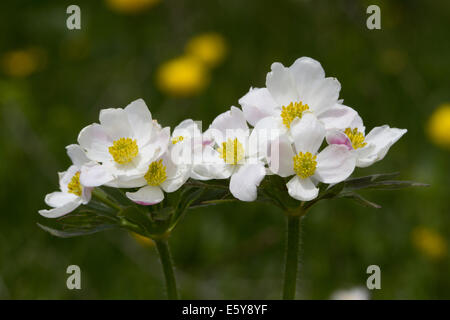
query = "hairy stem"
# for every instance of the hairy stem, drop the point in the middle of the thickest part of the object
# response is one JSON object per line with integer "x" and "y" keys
{"x": 292, "y": 257}
{"x": 166, "y": 261}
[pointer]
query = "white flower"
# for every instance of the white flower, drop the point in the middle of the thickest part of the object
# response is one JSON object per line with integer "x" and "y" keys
{"x": 170, "y": 171}
{"x": 72, "y": 193}
{"x": 332, "y": 165}
{"x": 356, "y": 293}
{"x": 162, "y": 174}
{"x": 232, "y": 153}
{"x": 366, "y": 149}
{"x": 187, "y": 141}
{"x": 291, "y": 92}
{"x": 123, "y": 144}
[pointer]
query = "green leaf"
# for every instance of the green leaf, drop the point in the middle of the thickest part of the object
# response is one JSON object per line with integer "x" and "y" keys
{"x": 70, "y": 233}
{"x": 390, "y": 185}
{"x": 360, "y": 200}
{"x": 133, "y": 217}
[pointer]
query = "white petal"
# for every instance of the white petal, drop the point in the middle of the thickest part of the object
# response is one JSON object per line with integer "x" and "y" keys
{"x": 302, "y": 189}
{"x": 258, "y": 104}
{"x": 245, "y": 181}
{"x": 213, "y": 166}
{"x": 96, "y": 142}
{"x": 335, "y": 163}
{"x": 313, "y": 88}
{"x": 266, "y": 130}
{"x": 308, "y": 133}
{"x": 58, "y": 198}
{"x": 177, "y": 174}
{"x": 67, "y": 176}
{"x": 157, "y": 146}
{"x": 63, "y": 210}
{"x": 115, "y": 123}
{"x": 335, "y": 136}
{"x": 146, "y": 196}
{"x": 380, "y": 139}
{"x": 77, "y": 155}
{"x": 229, "y": 124}
{"x": 187, "y": 129}
{"x": 95, "y": 175}
{"x": 140, "y": 119}
{"x": 281, "y": 157}
{"x": 280, "y": 84}
{"x": 340, "y": 117}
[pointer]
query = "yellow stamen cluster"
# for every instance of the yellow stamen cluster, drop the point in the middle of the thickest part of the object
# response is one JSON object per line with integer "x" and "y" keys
{"x": 175, "y": 140}
{"x": 231, "y": 151}
{"x": 305, "y": 164}
{"x": 74, "y": 185}
{"x": 356, "y": 137}
{"x": 124, "y": 150}
{"x": 156, "y": 173}
{"x": 292, "y": 111}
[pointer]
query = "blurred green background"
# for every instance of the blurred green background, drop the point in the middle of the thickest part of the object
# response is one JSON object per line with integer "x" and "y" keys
{"x": 54, "y": 81}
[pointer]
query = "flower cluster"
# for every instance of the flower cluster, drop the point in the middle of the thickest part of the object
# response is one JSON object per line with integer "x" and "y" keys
{"x": 296, "y": 128}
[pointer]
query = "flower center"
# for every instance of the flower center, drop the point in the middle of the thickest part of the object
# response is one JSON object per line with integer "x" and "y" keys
{"x": 231, "y": 151}
{"x": 156, "y": 173}
{"x": 175, "y": 140}
{"x": 292, "y": 111}
{"x": 74, "y": 185}
{"x": 305, "y": 164}
{"x": 124, "y": 150}
{"x": 356, "y": 138}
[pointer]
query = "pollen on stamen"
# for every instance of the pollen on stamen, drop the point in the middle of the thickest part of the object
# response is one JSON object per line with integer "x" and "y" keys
{"x": 175, "y": 140}
{"x": 156, "y": 173}
{"x": 356, "y": 137}
{"x": 305, "y": 164}
{"x": 231, "y": 151}
{"x": 292, "y": 111}
{"x": 74, "y": 185}
{"x": 124, "y": 150}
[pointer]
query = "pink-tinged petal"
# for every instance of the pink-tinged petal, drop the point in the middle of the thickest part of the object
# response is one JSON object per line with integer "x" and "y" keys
{"x": 147, "y": 194}
{"x": 338, "y": 137}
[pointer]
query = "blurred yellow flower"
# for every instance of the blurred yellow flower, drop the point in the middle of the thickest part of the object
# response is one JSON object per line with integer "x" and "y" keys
{"x": 209, "y": 48}
{"x": 146, "y": 242}
{"x": 438, "y": 127}
{"x": 21, "y": 63}
{"x": 130, "y": 6}
{"x": 429, "y": 242}
{"x": 182, "y": 76}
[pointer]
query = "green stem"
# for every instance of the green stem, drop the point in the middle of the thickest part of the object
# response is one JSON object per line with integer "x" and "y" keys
{"x": 166, "y": 261}
{"x": 103, "y": 198}
{"x": 292, "y": 257}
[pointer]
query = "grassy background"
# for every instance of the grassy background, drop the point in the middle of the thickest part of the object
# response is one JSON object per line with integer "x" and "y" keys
{"x": 397, "y": 75}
